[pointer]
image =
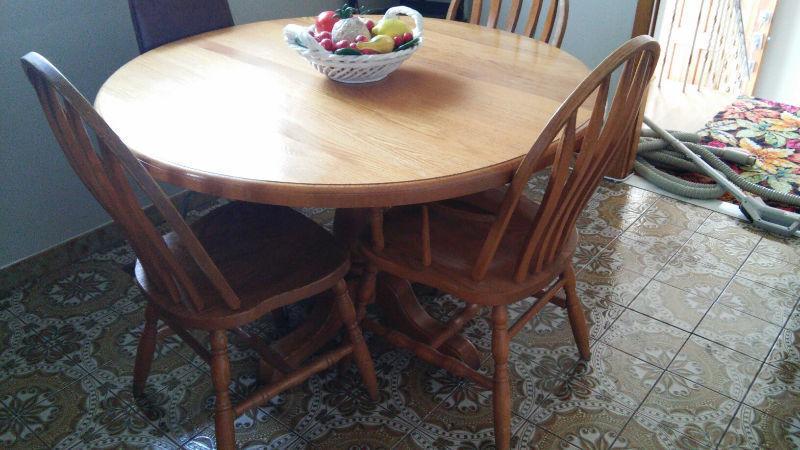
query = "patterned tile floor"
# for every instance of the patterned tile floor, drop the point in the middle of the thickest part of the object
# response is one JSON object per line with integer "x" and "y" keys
{"x": 694, "y": 324}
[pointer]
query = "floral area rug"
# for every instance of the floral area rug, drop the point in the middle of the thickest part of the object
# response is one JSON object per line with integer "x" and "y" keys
{"x": 768, "y": 130}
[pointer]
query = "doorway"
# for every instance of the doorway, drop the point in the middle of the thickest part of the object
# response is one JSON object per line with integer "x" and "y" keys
{"x": 711, "y": 54}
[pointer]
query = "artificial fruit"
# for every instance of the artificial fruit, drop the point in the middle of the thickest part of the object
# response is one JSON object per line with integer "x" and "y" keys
{"x": 391, "y": 28}
{"x": 380, "y": 44}
{"x": 348, "y": 27}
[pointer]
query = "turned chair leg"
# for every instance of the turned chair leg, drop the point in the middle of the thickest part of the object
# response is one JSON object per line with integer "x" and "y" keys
{"x": 360, "y": 352}
{"x": 577, "y": 320}
{"x": 501, "y": 392}
{"x": 221, "y": 377}
{"x": 366, "y": 291}
{"x": 145, "y": 350}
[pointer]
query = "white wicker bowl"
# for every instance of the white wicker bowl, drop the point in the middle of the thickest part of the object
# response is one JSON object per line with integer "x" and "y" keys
{"x": 353, "y": 68}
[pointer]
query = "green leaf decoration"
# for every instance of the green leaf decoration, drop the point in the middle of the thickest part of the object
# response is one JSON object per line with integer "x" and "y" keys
{"x": 778, "y": 184}
{"x": 749, "y": 133}
{"x": 774, "y": 140}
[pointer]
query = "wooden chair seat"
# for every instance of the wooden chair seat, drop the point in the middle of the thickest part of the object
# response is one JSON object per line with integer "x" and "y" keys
{"x": 272, "y": 256}
{"x": 457, "y": 230}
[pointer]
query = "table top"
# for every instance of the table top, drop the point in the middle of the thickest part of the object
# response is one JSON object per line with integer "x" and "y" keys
{"x": 236, "y": 113}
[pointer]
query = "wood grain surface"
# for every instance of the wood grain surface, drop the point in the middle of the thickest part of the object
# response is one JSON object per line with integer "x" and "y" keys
{"x": 236, "y": 113}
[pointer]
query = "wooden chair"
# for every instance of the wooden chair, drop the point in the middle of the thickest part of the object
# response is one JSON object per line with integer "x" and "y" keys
{"x": 159, "y": 22}
{"x": 228, "y": 269}
{"x": 498, "y": 247}
{"x": 554, "y": 25}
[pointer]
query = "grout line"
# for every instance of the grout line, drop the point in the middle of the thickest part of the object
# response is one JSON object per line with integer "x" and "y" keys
{"x": 687, "y": 339}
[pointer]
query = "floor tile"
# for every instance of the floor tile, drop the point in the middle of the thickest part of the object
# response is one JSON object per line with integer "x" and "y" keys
{"x": 548, "y": 335}
{"x": 619, "y": 196}
{"x": 530, "y": 436}
{"x": 739, "y": 331}
{"x": 776, "y": 391}
{"x": 298, "y": 408}
{"x": 671, "y": 305}
{"x": 616, "y": 375}
{"x": 410, "y": 390}
{"x": 784, "y": 249}
{"x": 78, "y": 289}
{"x": 534, "y": 374}
{"x": 605, "y": 295}
{"x": 689, "y": 408}
{"x": 670, "y": 234}
{"x": 30, "y": 350}
{"x": 15, "y": 435}
{"x": 772, "y": 272}
{"x": 699, "y": 279}
{"x": 256, "y": 430}
{"x": 63, "y": 417}
{"x": 11, "y": 302}
{"x": 706, "y": 251}
{"x": 640, "y": 255}
{"x": 346, "y": 423}
{"x": 715, "y": 367}
{"x": 787, "y": 347}
{"x": 676, "y": 213}
{"x": 111, "y": 356}
{"x": 645, "y": 338}
{"x": 721, "y": 226}
{"x": 130, "y": 429}
{"x": 583, "y": 418}
{"x": 590, "y": 245}
{"x": 759, "y": 300}
{"x": 466, "y": 431}
{"x": 752, "y": 429}
{"x": 643, "y": 432}
{"x": 599, "y": 287}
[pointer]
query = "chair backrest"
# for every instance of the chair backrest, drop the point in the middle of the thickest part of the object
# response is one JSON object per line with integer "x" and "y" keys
{"x": 570, "y": 187}
{"x": 159, "y": 22}
{"x": 553, "y": 26}
{"x": 103, "y": 162}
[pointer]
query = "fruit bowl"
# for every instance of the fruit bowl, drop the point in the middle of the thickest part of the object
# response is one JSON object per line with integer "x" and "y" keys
{"x": 363, "y": 68}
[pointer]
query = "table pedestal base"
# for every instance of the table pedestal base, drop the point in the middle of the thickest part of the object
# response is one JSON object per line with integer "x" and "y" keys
{"x": 399, "y": 309}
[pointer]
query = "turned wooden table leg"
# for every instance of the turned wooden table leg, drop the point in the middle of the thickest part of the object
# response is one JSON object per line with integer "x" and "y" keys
{"x": 401, "y": 310}
{"x": 398, "y": 304}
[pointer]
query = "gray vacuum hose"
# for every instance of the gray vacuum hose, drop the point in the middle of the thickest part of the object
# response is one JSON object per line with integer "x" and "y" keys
{"x": 655, "y": 153}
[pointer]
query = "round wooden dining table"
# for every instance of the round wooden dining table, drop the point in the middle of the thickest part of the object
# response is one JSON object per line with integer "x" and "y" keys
{"x": 237, "y": 114}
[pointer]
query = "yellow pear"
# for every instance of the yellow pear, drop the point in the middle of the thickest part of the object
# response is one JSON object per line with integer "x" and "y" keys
{"x": 380, "y": 44}
{"x": 390, "y": 27}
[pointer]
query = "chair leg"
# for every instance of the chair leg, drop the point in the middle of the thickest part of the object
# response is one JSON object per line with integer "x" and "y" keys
{"x": 501, "y": 392}
{"x": 577, "y": 320}
{"x": 360, "y": 351}
{"x": 221, "y": 377}
{"x": 366, "y": 291}
{"x": 145, "y": 350}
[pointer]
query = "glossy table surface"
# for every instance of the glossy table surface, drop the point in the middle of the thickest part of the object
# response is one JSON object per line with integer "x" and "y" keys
{"x": 236, "y": 113}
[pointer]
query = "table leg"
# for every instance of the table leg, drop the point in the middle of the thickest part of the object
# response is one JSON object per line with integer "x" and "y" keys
{"x": 398, "y": 304}
{"x": 401, "y": 310}
{"x": 318, "y": 329}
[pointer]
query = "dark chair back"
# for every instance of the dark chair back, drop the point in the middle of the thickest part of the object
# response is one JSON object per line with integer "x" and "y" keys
{"x": 159, "y": 22}
{"x": 107, "y": 167}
